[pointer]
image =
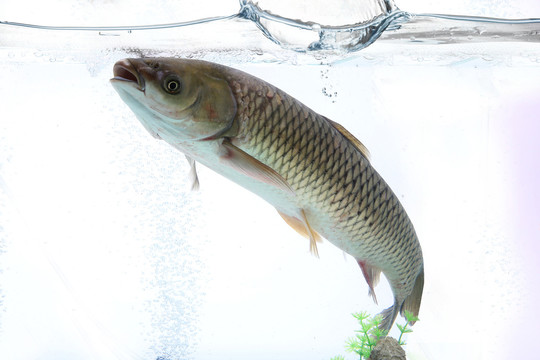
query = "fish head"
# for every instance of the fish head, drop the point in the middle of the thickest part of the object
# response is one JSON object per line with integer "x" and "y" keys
{"x": 177, "y": 99}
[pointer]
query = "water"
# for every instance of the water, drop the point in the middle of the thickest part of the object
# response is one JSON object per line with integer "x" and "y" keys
{"x": 380, "y": 21}
{"x": 105, "y": 254}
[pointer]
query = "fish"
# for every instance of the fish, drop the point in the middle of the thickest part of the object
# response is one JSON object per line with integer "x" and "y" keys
{"x": 315, "y": 173}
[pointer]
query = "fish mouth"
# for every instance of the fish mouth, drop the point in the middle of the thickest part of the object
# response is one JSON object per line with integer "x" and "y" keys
{"x": 125, "y": 71}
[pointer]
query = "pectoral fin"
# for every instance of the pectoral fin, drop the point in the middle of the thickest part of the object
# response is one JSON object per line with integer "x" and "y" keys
{"x": 248, "y": 165}
{"x": 301, "y": 226}
{"x": 192, "y": 176}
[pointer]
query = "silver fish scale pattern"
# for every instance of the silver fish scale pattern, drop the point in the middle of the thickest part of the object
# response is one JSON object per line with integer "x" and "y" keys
{"x": 327, "y": 172}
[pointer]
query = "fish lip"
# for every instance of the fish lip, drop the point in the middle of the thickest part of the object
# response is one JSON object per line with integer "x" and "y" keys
{"x": 125, "y": 71}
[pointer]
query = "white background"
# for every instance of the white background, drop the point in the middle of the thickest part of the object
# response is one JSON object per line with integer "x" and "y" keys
{"x": 107, "y": 255}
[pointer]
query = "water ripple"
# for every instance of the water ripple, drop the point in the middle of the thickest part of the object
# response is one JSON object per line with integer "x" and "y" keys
{"x": 388, "y": 23}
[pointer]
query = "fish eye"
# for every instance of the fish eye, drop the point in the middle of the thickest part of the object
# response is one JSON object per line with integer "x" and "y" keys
{"x": 172, "y": 85}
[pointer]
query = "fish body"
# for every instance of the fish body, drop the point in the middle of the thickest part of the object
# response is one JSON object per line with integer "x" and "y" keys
{"x": 311, "y": 169}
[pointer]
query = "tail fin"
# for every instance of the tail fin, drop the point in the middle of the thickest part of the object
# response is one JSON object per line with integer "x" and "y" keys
{"x": 389, "y": 316}
{"x": 412, "y": 302}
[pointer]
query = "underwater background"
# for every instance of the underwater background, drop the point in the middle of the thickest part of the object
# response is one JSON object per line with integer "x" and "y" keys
{"x": 106, "y": 254}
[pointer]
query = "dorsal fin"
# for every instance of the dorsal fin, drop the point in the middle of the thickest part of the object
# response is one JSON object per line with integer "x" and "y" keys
{"x": 356, "y": 143}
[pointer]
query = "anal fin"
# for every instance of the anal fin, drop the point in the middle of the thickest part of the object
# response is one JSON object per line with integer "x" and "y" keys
{"x": 301, "y": 226}
{"x": 372, "y": 276}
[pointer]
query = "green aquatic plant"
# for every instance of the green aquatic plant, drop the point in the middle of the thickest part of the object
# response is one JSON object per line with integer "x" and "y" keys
{"x": 369, "y": 334}
{"x": 366, "y": 338}
{"x": 404, "y": 329}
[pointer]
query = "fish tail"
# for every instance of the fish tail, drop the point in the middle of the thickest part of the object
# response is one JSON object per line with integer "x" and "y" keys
{"x": 389, "y": 316}
{"x": 412, "y": 302}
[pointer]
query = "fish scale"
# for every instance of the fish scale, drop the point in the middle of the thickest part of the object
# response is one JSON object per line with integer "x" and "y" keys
{"x": 310, "y": 168}
{"x": 328, "y": 172}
